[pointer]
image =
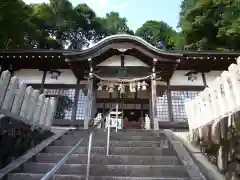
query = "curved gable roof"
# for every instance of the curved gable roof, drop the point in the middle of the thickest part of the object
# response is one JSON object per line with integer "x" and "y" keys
{"x": 123, "y": 38}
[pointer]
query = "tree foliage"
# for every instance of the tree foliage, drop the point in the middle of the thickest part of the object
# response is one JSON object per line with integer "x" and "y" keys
{"x": 14, "y": 23}
{"x": 211, "y": 24}
{"x": 204, "y": 24}
{"x": 155, "y": 31}
{"x": 54, "y": 25}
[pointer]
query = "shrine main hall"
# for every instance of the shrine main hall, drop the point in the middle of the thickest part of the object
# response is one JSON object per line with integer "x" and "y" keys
{"x": 120, "y": 69}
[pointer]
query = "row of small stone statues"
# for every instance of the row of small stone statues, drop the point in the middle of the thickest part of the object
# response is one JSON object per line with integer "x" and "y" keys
{"x": 216, "y": 104}
{"x": 25, "y": 104}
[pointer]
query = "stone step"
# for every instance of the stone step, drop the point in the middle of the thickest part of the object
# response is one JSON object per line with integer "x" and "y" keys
{"x": 104, "y": 131}
{"x": 103, "y": 143}
{"x": 115, "y": 150}
{"x": 112, "y": 159}
{"x": 130, "y": 131}
{"x": 116, "y": 137}
{"x": 29, "y": 176}
{"x": 172, "y": 171}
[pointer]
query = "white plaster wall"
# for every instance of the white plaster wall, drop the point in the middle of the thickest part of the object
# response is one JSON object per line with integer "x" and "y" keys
{"x": 34, "y": 76}
{"x": 133, "y": 61}
{"x": 179, "y": 79}
{"x": 66, "y": 77}
{"x": 29, "y": 76}
{"x": 129, "y": 61}
{"x": 211, "y": 76}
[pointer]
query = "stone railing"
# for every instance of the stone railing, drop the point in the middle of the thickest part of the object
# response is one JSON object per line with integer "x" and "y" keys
{"x": 25, "y": 104}
{"x": 25, "y": 117}
{"x": 214, "y": 121}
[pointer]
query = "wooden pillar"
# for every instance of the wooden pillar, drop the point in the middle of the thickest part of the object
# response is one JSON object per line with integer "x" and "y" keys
{"x": 169, "y": 98}
{"x": 142, "y": 117}
{"x": 89, "y": 103}
{"x": 1, "y": 67}
{"x": 75, "y": 103}
{"x": 43, "y": 81}
{"x": 94, "y": 97}
{"x": 204, "y": 80}
{"x": 153, "y": 101}
{"x": 150, "y": 103}
{"x": 88, "y": 113}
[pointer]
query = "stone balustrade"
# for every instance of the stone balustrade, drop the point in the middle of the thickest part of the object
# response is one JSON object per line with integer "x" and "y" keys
{"x": 25, "y": 117}
{"x": 214, "y": 120}
{"x": 25, "y": 103}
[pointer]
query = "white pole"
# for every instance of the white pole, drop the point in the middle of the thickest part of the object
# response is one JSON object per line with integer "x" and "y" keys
{"x": 108, "y": 139}
{"x": 116, "y": 117}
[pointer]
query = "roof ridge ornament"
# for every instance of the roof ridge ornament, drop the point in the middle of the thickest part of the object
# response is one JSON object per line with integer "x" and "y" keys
{"x": 123, "y": 49}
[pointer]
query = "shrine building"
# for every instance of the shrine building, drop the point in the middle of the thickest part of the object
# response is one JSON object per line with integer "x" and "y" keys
{"x": 120, "y": 69}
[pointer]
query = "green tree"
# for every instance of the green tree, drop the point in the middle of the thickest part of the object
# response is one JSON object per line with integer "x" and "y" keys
{"x": 42, "y": 16}
{"x": 82, "y": 30}
{"x": 15, "y": 24}
{"x": 208, "y": 24}
{"x": 114, "y": 24}
{"x": 156, "y": 31}
{"x": 60, "y": 24}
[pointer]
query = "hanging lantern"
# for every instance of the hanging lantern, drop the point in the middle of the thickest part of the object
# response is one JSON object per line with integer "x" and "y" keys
{"x": 144, "y": 86}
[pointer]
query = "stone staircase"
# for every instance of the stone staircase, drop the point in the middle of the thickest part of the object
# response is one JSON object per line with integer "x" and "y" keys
{"x": 134, "y": 155}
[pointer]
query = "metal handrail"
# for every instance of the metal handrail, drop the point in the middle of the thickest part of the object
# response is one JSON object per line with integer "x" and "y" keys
{"x": 74, "y": 148}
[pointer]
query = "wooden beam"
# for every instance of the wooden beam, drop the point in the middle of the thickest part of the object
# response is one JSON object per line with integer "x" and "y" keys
{"x": 126, "y": 101}
{"x": 187, "y": 88}
{"x": 57, "y": 86}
